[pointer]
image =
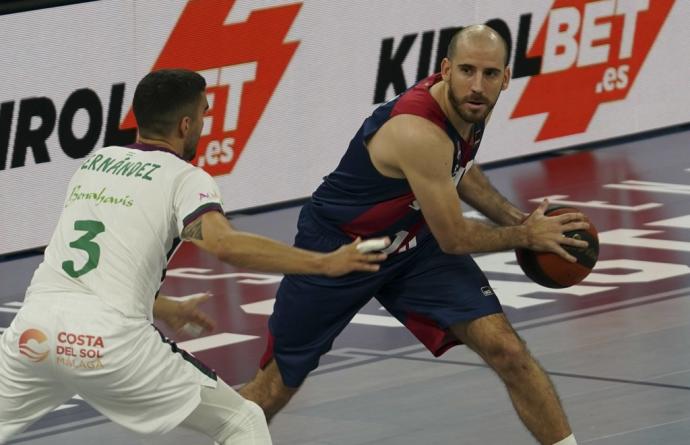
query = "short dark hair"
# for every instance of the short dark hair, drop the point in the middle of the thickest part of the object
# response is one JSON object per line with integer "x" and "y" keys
{"x": 163, "y": 97}
{"x": 461, "y": 31}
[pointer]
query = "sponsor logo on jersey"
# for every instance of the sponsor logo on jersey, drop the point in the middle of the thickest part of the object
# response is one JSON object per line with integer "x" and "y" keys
{"x": 99, "y": 197}
{"x": 79, "y": 350}
{"x": 33, "y": 345}
{"x": 208, "y": 196}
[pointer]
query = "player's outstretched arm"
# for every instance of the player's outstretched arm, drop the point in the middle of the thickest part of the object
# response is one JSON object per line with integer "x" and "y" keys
{"x": 422, "y": 153}
{"x": 213, "y": 233}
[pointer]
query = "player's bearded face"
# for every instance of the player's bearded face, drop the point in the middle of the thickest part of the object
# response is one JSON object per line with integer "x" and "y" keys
{"x": 194, "y": 134}
{"x": 473, "y": 106}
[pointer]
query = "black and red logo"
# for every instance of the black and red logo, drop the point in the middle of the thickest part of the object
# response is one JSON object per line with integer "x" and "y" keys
{"x": 586, "y": 53}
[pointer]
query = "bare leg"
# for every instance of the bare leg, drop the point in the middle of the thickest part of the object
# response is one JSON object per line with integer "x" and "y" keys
{"x": 268, "y": 391}
{"x": 530, "y": 389}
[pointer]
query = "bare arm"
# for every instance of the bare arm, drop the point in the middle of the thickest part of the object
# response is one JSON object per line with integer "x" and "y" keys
{"x": 213, "y": 233}
{"x": 476, "y": 190}
{"x": 416, "y": 149}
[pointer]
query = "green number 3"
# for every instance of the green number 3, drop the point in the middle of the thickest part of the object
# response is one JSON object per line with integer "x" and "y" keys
{"x": 92, "y": 228}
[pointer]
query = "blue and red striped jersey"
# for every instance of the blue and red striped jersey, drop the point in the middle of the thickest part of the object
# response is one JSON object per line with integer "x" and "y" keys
{"x": 357, "y": 200}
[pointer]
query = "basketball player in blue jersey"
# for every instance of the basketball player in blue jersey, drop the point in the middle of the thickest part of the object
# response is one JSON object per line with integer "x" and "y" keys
{"x": 402, "y": 177}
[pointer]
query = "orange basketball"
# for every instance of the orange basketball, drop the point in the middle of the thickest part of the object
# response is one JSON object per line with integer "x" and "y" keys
{"x": 549, "y": 269}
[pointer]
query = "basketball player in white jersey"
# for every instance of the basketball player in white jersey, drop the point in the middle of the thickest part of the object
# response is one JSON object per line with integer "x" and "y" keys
{"x": 85, "y": 327}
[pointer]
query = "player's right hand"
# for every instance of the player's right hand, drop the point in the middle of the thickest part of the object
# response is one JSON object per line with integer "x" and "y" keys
{"x": 183, "y": 313}
{"x": 547, "y": 233}
{"x": 348, "y": 259}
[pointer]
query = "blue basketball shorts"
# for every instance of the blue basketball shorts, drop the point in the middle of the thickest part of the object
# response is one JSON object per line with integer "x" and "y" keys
{"x": 426, "y": 289}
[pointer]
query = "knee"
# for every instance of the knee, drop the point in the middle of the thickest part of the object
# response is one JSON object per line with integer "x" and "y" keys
{"x": 507, "y": 355}
{"x": 253, "y": 409}
{"x": 248, "y": 425}
{"x": 254, "y": 413}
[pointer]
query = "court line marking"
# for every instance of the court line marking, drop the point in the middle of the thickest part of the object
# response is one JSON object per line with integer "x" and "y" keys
{"x": 214, "y": 341}
{"x": 648, "y": 427}
{"x": 8, "y": 309}
{"x": 624, "y": 304}
{"x": 527, "y": 324}
{"x": 358, "y": 361}
{"x": 553, "y": 373}
{"x": 265, "y": 307}
{"x": 59, "y": 429}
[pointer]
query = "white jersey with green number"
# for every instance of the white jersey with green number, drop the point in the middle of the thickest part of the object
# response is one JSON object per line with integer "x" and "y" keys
{"x": 123, "y": 215}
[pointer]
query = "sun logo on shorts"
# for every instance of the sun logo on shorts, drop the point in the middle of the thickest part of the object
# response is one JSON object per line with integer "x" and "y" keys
{"x": 32, "y": 344}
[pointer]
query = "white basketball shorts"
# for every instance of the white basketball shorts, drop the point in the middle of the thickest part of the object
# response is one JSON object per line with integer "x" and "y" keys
{"x": 62, "y": 345}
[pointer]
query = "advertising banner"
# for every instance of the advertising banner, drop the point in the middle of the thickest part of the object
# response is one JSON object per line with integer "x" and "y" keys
{"x": 289, "y": 83}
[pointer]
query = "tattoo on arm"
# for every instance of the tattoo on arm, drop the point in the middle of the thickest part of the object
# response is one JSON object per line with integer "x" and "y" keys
{"x": 193, "y": 230}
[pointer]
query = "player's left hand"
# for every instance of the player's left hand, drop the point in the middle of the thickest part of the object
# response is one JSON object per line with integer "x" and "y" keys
{"x": 177, "y": 313}
{"x": 547, "y": 233}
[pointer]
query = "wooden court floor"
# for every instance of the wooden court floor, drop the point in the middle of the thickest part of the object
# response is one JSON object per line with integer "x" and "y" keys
{"x": 617, "y": 346}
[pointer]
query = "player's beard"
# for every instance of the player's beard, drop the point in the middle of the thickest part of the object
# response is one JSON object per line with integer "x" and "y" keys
{"x": 189, "y": 149}
{"x": 470, "y": 116}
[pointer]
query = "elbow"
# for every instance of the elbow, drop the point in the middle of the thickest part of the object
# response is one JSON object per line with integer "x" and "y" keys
{"x": 446, "y": 247}
{"x": 223, "y": 256}
{"x": 454, "y": 246}
{"x": 232, "y": 249}
{"x": 454, "y": 237}
{"x": 222, "y": 249}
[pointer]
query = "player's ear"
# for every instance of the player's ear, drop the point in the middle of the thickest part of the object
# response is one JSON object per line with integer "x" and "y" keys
{"x": 445, "y": 68}
{"x": 184, "y": 126}
{"x": 506, "y": 78}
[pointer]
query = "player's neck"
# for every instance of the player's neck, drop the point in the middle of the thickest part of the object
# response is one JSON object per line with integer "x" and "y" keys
{"x": 160, "y": 143}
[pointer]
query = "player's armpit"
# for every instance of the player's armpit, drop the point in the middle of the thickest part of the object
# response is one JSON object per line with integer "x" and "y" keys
{"x": 423, "y": 153}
